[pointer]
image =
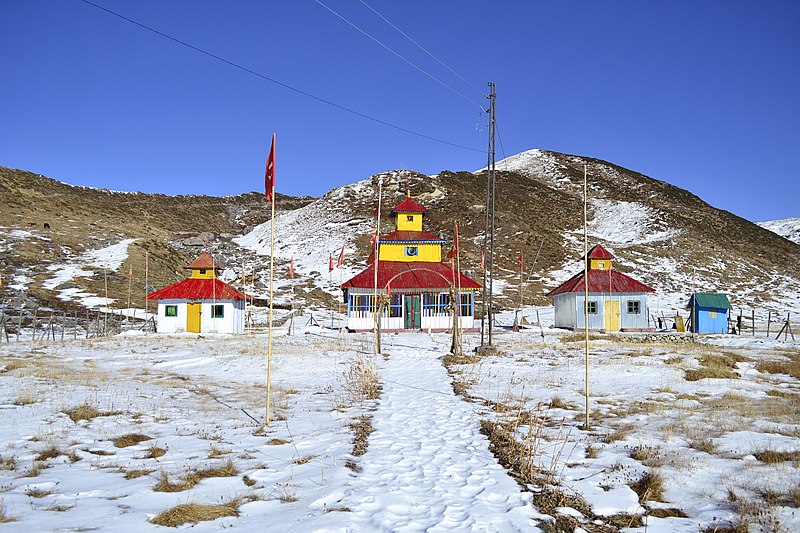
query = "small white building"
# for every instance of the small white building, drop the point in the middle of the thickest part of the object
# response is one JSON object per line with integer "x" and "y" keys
{"x": 201, "y": 303}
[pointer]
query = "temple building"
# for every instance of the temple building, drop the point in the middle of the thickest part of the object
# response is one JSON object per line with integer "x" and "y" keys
{"x": 201, "y": 303}
{"x": 413, "y": 282}
{"x": 616, "y": 300}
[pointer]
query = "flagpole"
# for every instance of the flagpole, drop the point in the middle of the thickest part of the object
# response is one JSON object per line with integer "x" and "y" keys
{"x": 130, "y": 276}
{"x": 270, "y": 160}
{"x": 458, "y": 314}
{"x": 586, "y": 297}
{"x": 376, "y": 325}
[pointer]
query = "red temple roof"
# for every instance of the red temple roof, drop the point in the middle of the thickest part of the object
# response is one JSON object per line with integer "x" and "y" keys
{"x": 411, "y": 275}
{"x": 198, "y": 289}
{"x": 409, "y": 206}
{"x": 601, "y": 281}
{"x": 204, "y": 262}
{"x": 598, "y": 252}
{"x": 411, "y": 236}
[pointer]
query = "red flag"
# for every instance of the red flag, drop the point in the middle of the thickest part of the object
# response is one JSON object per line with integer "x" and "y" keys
{"x": 483, "y": 259}
{"x": 452, "y": 253}
{"x": 373, "y": 239}
{"x": 340, "y": 261}
{"x": 519, "y": 260}
{"x": 291, "y": 267}
{"x": 330, "y": 262}
{"x": 269, "y": 175}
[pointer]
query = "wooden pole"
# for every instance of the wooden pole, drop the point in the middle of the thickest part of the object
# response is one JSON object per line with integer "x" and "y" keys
{"x": 586, "y": 295}
{"x": 271, "y": 274}
{"x": 376, "y": 334}
{"x": 753, "y": 319}
{"x": 769, "y": 321}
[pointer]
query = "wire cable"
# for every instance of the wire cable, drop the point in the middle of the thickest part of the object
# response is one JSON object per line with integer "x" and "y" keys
{"x": 431, "y": 76}
{"x": 404, "y": 34}
{"x": 280, "y": 83}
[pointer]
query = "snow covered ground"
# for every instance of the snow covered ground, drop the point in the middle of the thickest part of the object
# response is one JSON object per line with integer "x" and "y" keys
{"x": 163, "y": 422}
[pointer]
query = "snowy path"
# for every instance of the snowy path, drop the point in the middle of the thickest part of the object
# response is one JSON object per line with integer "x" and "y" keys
{"x": 428, "y": 468}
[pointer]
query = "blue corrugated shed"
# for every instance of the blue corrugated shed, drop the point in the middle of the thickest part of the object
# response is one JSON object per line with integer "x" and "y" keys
{"x": 709, "y": 312}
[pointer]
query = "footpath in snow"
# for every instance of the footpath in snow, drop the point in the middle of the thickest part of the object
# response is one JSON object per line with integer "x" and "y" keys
{"x": 428, "y": 467}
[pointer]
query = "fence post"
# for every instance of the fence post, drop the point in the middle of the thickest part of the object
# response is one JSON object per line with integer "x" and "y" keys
{"x": 769, "y": 321}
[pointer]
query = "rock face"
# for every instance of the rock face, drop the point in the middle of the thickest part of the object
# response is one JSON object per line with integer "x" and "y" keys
{"x": 201, "y": 239}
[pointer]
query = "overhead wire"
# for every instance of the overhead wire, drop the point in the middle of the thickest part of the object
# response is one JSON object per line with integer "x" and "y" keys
{"x": 277, "y": 82}
{"x": 404, "y": 34}
{"x": 397, "y": 54}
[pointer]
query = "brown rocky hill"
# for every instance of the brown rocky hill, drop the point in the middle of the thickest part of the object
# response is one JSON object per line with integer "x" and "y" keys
{"x": 46, "y": 223}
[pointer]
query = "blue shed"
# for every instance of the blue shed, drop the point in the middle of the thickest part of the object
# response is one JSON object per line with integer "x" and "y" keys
{"x": 709, "y": 312}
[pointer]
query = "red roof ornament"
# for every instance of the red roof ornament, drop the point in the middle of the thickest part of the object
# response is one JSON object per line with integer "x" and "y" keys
{"x": 409, "y": 206}
{"x": 204, "y": 262}
{"x": 598, "y": 252}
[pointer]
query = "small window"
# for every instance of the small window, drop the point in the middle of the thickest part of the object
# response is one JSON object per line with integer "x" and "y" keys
{"x": 202, "y": 270}
{"x": 412, "y": 251}
{"x": 592, "y": 308}
{"x": 601, "y": 264}
{"x": 218, "y": 311}
{"x": 171, "y": 310}
{"x": 712, "y": 314}
{"x": 634, "y": 307}
{"x": 410, "y": 218}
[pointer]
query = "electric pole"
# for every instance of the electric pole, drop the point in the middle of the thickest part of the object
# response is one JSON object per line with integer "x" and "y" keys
{"x": 488, "y": 234}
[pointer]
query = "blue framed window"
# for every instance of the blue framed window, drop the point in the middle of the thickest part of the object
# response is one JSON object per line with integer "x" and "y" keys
{"x": 435, "y": 304}
{"x": 466, "y": 303}
{"x": 412, "y": 251}
{"x": 396, "y": 306}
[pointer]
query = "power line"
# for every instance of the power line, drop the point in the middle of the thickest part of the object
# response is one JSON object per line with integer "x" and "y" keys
{"x": 431, "y": 76}
{"x": 404, "y": 34}
{"x": 272, "y": 80}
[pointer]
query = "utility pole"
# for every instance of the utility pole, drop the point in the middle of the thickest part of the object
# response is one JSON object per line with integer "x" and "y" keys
{"x": 488, "y": 234}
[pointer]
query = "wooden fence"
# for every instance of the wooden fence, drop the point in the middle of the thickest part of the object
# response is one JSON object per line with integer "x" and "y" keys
{"x": 23, "y": 324}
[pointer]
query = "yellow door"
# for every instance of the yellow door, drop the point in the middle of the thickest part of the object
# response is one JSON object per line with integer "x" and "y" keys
{"x": 612, "y": 315}
{"x": 193, "y": 317}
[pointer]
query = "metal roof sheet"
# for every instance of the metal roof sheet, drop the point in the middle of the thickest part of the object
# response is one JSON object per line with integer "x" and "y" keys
{"x": 198, "y": 289}
{"x": 411, "y": 275}
{"x": 710, "y": 300}
{"x": 602, "y": 281}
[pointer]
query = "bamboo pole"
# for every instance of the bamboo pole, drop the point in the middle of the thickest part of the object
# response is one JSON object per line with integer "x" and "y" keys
{"x": 586, "y": 295}
{"x": 271, "y": 274}
{"x": 376, "y": 311}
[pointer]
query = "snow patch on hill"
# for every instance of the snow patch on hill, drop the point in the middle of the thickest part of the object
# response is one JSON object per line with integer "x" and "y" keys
{"x": 788, "y": 228}
{"x": 628, "y": 223}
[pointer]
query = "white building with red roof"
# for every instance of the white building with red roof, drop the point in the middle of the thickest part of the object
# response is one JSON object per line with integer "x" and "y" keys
{"x": 201, "y": 303}
{"x": 413, "y": 282}
{"x": 617, "y": 302}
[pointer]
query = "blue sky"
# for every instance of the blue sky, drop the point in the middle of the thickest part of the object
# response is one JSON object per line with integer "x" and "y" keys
{"x": 700, "y": 94}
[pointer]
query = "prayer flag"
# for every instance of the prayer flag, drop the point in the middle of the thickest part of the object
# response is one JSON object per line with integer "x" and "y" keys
{"x": 340, "y": 262}
{"x": 330, "y": 262}
{"x": 269, "y": 175}
{"x": 291, "y": 267}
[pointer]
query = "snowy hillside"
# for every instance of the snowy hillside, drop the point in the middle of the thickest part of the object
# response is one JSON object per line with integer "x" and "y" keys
{"x": 787, "y": 227}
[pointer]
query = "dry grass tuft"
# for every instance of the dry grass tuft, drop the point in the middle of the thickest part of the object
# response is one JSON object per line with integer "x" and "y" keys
{"x": 26, "y": 397}
{"x": 716, "y": 366}
{"x": 192, "y": 513}
{"x": 650, "y": 487}
{"x": 703, "y": 445}
{"x": 217, "y": 452}
{"x": 304, "y": 460}
{"x": 37, "y": 493}
{"x": 790, "y": 368}
{"x": 35, "y": 469}
{"x": 619, "y": 433}
{"x": 361, "y": 380}
{"x": 645, "y": 453}
{"x": 130, "y": 439}
{"x": 671, "y": 512}
{"x": 51, "y": 452}
{"x": 192, "y": 478}
{"x": 277, "y": 442}
{"x": 154, "y": 452}
{"x": 4, "y": 518}
{"x": 727, "y": 527}
{"x": 772, "y": 456}
{"x": 247, "y": 480}
{"x": 86, "y": 412}
{"x": 8, "y": 462}
{"x": 133, "y": 474}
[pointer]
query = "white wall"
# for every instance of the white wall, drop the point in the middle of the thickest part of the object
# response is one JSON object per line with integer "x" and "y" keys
{"x": 231, "y": 322}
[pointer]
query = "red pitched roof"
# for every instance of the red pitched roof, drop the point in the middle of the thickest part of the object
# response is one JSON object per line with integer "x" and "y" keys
{"x": 598, "y": 252}
{"x": 198, "y": 289}
{"x": 410, "y": 275}
{"x": 602, "y": 281}
{"x": 409, "y": 206}
{"x": 411, "y": 236}
{"x": 204, "y": 262}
